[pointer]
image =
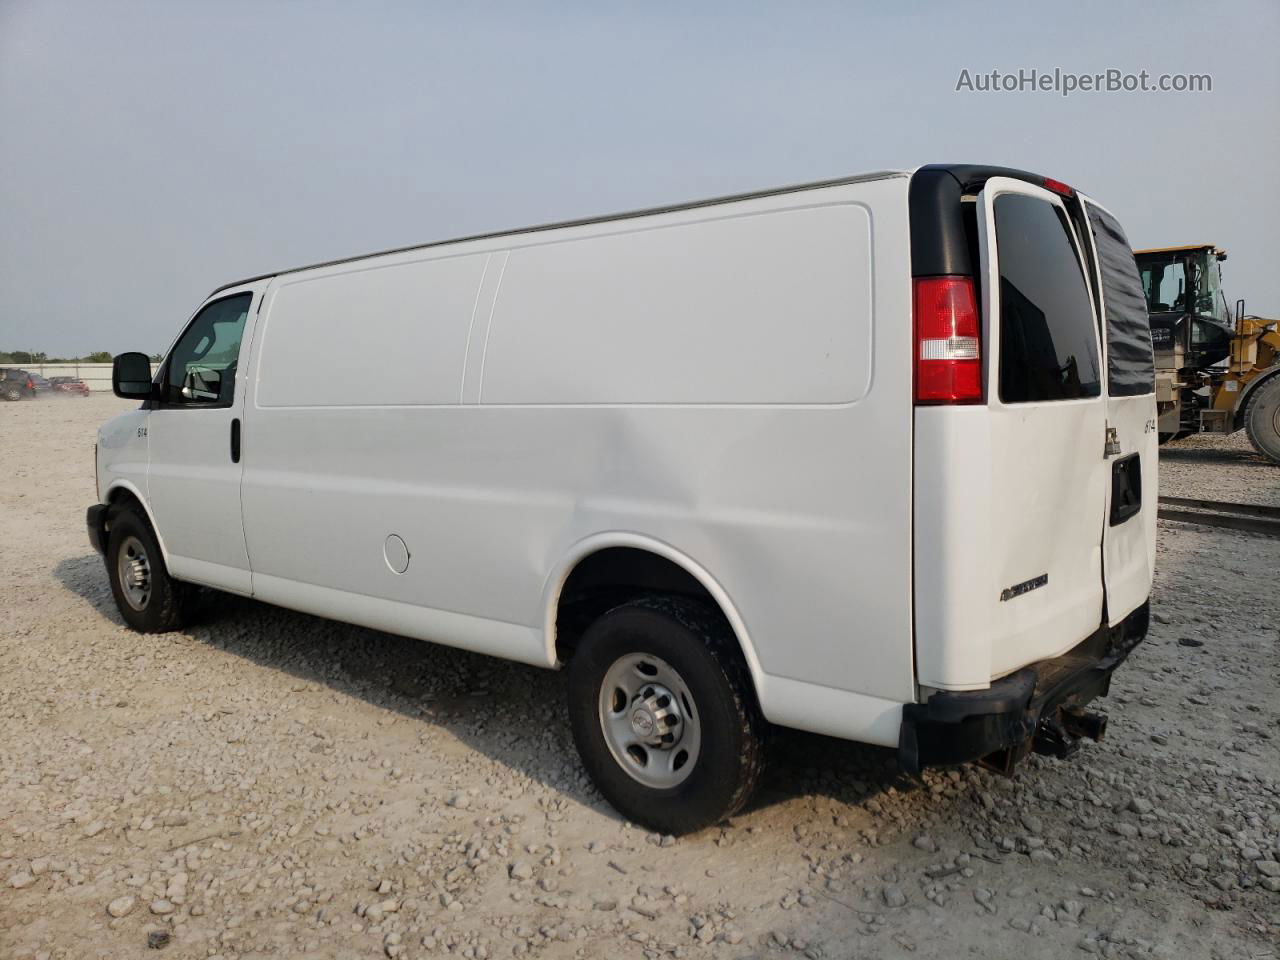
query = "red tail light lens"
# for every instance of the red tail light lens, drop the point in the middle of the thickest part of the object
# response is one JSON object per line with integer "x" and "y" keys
{"x": 30, "y": 384}
{"x": 948, "y": 343}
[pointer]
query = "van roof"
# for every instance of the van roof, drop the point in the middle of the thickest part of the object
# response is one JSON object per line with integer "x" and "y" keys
{"x": 628, "y": 215}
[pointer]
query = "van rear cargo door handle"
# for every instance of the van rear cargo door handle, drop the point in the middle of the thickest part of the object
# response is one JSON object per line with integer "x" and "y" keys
{"x": 1111, "y": 448}
{"x": 235, "y": 440}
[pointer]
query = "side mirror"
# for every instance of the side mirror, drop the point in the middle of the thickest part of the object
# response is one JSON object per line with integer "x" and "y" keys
{"x": 131, "y": 376}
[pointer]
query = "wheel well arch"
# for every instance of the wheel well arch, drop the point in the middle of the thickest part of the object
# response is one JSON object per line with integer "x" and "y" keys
{"x": 604, "y": 571}
{"x": 121, "y": 493}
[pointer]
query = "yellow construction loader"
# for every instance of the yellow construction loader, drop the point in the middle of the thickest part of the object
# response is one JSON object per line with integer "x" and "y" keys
{"x": 1217, "y": 370}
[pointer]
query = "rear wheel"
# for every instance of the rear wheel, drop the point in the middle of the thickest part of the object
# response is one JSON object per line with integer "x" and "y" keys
{"x": 664, "y": 716}
{"x": 148, "y": 598}
{"x": 1262, "y": 419}
{"x": 12, "y": 393}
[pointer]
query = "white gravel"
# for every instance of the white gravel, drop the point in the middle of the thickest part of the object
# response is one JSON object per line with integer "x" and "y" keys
{"x": 1219, "y": 468}
{"x": 268, "y": 784}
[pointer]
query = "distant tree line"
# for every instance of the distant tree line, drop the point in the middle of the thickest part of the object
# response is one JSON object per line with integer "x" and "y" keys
{"x": 26, "y": 356}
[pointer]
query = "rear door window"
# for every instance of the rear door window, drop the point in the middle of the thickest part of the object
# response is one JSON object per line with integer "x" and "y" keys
{"x": 1130, "y": 370}
{"x": 1048, "y": 349}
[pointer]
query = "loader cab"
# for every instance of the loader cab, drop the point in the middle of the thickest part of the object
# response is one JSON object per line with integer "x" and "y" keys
{"x": 1191, "y": 322}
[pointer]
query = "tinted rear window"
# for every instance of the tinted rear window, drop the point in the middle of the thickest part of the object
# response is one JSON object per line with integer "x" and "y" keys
{"x": 1047, "y": 345}
{"x": 1130, "y": 371}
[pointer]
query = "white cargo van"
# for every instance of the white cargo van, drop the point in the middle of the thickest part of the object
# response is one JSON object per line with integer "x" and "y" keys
{"x": 873, "y": 457}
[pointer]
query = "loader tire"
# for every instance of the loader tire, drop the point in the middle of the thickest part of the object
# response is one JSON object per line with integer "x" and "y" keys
{"x": 1262, "y": 419}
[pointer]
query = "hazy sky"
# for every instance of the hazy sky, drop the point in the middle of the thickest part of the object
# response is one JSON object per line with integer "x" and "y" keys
{"x": 152, "y": 151}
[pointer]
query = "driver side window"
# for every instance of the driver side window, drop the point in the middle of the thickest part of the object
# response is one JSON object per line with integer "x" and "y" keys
{"x": 202, "y": 366}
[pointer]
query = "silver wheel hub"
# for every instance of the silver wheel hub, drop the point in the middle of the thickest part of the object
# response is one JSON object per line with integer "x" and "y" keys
{"x": 648, "y": 720}
{"x": 133, "y": 568}
{"x": 655, "y": 717}
{"x": 642, "y": 723}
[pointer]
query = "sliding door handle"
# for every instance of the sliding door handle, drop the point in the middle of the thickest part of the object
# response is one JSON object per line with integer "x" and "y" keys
{"x": 235, "y": 440}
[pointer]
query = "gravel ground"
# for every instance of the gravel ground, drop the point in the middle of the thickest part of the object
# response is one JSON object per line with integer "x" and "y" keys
{"x": 1218, "y": 468}
{"x": 268, "y": 784}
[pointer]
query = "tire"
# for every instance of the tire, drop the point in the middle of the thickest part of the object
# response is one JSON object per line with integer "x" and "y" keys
{"x": 148, "y": 598}
{"x": 12, "y": 393}
{"x": 697, "y": 667}
{"x": 1262, "y": 419}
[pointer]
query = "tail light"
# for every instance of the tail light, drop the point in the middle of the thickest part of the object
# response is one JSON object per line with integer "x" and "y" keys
{"x": 948, "y": 368}
{"x": 1058, "y": 187}
{"x": 31, "y": 385}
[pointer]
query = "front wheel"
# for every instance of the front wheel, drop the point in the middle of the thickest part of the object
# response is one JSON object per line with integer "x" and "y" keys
{"x": 148, "y": 598}
{"x": 664, "y": 715}
{"x": 1262, "y": 419}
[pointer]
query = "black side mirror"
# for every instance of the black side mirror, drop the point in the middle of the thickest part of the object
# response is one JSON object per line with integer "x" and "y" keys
{"x": 131, "y": 376}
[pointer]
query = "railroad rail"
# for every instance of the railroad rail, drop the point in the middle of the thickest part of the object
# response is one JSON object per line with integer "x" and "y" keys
{"x": 1249, "y": 517}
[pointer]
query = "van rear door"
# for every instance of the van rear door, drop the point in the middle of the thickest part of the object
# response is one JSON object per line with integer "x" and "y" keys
{"x": 1130, "y": 532}
{"x": 1047, "y": 427}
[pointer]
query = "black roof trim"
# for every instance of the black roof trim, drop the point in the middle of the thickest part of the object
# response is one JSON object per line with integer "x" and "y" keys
{"x": 628, "y": 215}
{"x": 938, "y": 242}
{"x": 971, "y": 176}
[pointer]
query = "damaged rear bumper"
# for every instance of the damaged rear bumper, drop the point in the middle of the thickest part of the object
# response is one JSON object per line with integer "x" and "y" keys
{"x": 1039, "y": 707}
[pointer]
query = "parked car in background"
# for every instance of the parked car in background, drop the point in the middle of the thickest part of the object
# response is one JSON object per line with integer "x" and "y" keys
{"x": 16, "y": 384}
{"x": 39, "y": 384}
{"x": 69, "y": 385}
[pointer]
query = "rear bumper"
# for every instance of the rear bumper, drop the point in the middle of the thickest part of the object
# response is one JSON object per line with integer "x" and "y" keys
{"x": 1035, "y": 707}
{"x": 96, "y": 520}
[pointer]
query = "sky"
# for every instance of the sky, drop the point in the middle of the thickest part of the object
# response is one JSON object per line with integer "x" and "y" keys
{"x": 151, "y": 151}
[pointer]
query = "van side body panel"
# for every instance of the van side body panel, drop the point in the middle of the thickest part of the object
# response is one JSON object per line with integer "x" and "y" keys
{"x": 122, "y": 458}
{"x": 730, "y": 382}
